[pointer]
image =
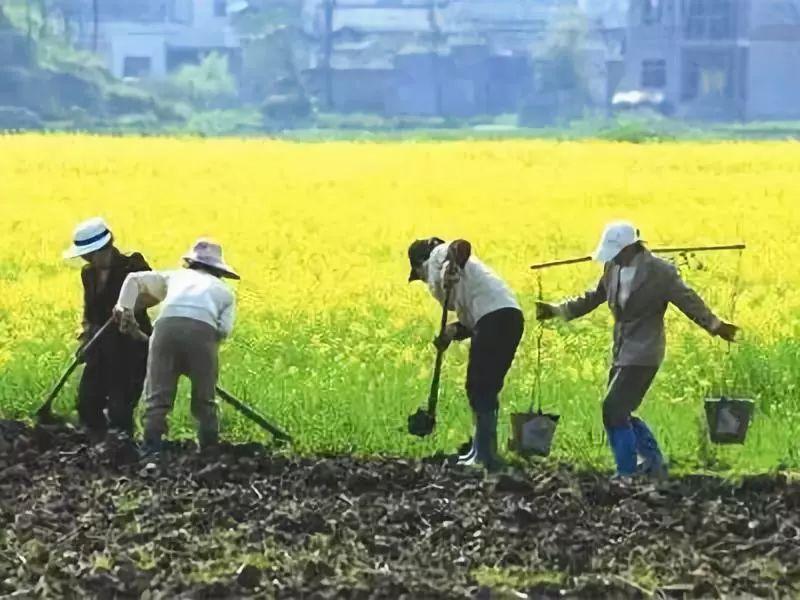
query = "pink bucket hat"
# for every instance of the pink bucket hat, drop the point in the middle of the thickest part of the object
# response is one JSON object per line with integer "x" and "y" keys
{"x": 209, "y": 253}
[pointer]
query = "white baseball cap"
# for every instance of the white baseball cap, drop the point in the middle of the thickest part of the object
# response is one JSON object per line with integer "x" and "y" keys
{"x": 616, "y": 237}
{"x": 89, "y": 236}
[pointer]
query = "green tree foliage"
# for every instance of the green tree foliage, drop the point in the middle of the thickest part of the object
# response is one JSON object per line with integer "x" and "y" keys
{"x": 208, "y": 84}
{"x": 564, "y": 66}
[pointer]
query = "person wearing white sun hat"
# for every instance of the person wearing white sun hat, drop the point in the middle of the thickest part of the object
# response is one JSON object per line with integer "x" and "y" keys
{"x": 198, "y": 312}
{"x": 638, "y": 287}
{"x": 113, "y": 376}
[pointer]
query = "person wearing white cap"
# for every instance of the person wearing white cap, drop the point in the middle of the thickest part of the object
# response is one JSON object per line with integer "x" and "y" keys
{"x": 113, "y": 377}
{"x": 197, "y": 313}
{"x": 638, "y": 287}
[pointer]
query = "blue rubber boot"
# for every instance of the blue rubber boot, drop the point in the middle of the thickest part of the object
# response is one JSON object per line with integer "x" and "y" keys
{"x": 623, "y": 445}
{"x": 647, "y": 447}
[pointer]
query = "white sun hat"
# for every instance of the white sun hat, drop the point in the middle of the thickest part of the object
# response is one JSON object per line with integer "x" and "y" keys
{"x": 89, "y": 236}
{"x": 616, "y": 237}
{"x": 208, "y": 252}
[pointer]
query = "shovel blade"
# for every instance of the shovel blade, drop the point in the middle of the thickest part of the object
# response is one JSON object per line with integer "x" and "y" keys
{"x": 421, "y": 423}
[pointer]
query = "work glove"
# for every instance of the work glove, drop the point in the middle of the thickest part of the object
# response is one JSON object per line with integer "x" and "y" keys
{"x": 443, "y": 341}
{"x": 125, "y": 320}
{"x": 545, "y": 311}
{"x": 459, "y": 252}
{"x": 451, "y": 275}
{"x": 727, "y": 331}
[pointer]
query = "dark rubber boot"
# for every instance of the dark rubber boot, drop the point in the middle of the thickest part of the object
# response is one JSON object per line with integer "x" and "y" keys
{"x": 486, "y": 440}
{"x": 151, "y": 448}
{"x": 647, "y": 447}
{"x": 207, "y": 439}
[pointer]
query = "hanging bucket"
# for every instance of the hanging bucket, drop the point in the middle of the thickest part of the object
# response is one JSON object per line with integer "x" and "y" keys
{"x": 532, "y": 433}
{"x": 728, "y": 419}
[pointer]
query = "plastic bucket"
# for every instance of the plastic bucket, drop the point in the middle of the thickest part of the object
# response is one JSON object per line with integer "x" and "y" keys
{"x": 728, "y": 419}
{"x": 532, "y": 433}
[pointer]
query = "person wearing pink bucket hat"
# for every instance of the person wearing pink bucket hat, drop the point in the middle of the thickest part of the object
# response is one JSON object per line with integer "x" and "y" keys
{"x": 198, "y": 312}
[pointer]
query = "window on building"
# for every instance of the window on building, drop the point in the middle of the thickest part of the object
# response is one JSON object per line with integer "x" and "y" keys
{"x": 136, "y": 66}
{"x": 652, "y": 11}
{"x": 220, "y": 8}
{"x": 709, "y": 19}
{"x": 708, "y": 74}
{"x": 654, "y": 73}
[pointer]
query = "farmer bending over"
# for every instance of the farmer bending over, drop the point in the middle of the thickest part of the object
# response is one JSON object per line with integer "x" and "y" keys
{"x": 489, "y": 314}
{"x": 114, "y": 374}
{"x": 197, "y": 314}
{"x": 638, "y": 288}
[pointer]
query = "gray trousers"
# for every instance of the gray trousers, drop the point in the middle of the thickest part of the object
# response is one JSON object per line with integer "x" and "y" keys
{"x": 627, "y": 387}
{"x": 178, "y": 347}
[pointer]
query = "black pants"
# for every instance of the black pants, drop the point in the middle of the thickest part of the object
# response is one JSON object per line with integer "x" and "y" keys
{"x": 494, "y": 344}
{"x": 627, "y": 387}
{"x": 112, "y": 380}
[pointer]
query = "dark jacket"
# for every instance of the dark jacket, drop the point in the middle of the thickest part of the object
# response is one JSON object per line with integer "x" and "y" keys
{"x": 98, "y": 304}
{"x": 639, "y": 337}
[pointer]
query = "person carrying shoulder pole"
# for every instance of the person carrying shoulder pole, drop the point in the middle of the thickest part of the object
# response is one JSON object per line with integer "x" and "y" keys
{"x": 197, "y": 314}
{"x": 638, "y": 287}
{"x": 488, "y": 314}
{"x": 115, "y": 368}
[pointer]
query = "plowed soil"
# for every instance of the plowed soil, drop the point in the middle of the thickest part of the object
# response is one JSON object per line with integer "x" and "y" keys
{"x": 78, "y": 520}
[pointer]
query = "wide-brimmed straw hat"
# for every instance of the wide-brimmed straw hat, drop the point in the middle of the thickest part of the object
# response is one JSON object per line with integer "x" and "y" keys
{"x": 89, "y": 236}
{"x": 208, "y": 252}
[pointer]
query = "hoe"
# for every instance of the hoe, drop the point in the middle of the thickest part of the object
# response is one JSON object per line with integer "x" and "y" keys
{"x": 45, "y": 414}
{"x": 240, "y": 406}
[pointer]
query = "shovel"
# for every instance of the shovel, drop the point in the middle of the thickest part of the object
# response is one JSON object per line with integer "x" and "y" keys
{"x": 240, "y": 406}
{"x": 45, "y": 414}
{"x": 423, "y": 422}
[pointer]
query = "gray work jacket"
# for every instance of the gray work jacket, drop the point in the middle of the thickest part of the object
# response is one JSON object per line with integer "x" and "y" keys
{"x": 639, "y": 338}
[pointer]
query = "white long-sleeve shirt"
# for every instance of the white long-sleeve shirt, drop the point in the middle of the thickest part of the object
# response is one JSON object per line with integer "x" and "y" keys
{"x": 479, "y": 290}
{"x": 187, "y": 293}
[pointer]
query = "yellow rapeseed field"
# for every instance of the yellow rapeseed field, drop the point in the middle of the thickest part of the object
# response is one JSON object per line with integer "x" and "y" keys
{"x": 333, "y": 342}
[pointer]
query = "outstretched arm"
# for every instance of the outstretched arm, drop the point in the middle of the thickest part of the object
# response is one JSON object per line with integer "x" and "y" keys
{"x": 693, "y": 306}
{"x": 574, "y": 307}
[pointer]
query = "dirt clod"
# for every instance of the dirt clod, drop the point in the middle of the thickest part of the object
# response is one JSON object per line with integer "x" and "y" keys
{"x": 95, "y": 520}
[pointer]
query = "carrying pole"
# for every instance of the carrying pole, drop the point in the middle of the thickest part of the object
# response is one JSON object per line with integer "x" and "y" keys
{"x": 583, "y": 259}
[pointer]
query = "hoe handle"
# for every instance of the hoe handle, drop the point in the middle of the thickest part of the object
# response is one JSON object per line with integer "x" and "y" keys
{"x": 48, "y": 403}
{"x": 235, "y": 403}
{"x": 253, "y": 415}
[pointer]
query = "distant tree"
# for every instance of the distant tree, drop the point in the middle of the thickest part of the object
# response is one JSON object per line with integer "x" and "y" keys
{"x": 209, "y": 84}
{"x": 564, "y": 66}
{"x": 275, "y": 48}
